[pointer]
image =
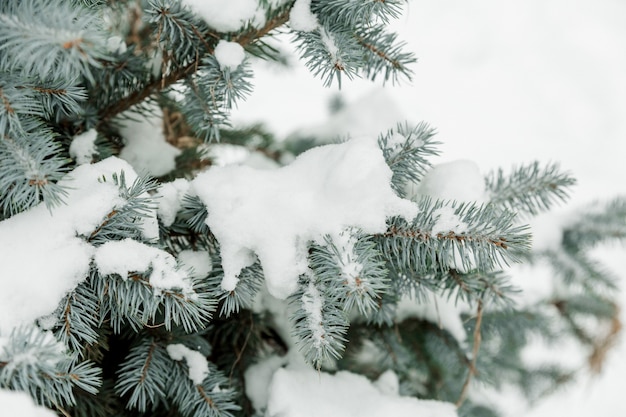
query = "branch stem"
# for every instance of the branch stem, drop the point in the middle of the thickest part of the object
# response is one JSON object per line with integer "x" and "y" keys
{"x": 472, "y": 368}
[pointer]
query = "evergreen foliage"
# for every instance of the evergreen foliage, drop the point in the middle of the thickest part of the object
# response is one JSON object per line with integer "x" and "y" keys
{"x": 67, "y": 67}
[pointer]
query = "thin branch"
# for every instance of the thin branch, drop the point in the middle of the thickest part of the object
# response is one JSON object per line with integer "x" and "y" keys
{"x": 205, "y": 397}
{"x": 394, "y": 62}
{"x": 475, "y": 348}
{"x": 144, "y": 369}
{"x": 6, "y": 103}
{"x": 418, "y": 234}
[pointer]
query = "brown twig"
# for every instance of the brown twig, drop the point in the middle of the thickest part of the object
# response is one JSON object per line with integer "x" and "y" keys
{"x": 6, "y": 103}
{"x": 472, "y": 367}
{"x": 422, "y": 235}
{"x": 394, "y": 62}
{"x": 205, "y": 397}
{"x": 144, "y": 369}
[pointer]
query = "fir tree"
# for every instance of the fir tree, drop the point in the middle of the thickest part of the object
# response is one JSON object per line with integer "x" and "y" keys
{"x": 172, "y": 292}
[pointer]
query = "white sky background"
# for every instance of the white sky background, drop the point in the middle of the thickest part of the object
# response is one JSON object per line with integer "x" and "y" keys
{"x": 504, "y": 83}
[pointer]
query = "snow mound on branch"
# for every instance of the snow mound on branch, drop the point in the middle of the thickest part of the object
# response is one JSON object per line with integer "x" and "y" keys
{"x": 196, "y": 362}
{"x": 42, "y": 256}
{"x": 18, "y": 403}
{"x": 229, "y": 54}
{"x": 44, "y": 253}
{"x": 307, "y": 393}
{"x": 122, "y": 257}
{"x": 274, "y": 214}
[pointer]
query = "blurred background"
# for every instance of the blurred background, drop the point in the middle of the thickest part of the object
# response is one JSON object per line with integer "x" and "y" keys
{"x": 504, "y": 82}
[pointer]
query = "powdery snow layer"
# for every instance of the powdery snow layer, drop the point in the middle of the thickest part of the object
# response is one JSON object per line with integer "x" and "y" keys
{"x": 273, "y": 214}
{"x": 229, "y": 54}
{"x": 196, "y": 362}
{"x": 307, "y": 393}
{"x": 18, "y": 403}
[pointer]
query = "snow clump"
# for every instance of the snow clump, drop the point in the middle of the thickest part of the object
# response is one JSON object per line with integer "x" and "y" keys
{"x": 229, "y": 54}
{"x": 301, "y": 18}
{"x": 196, "y": 362}
{"x": 274, "y": 214}
{"x": 83, "y": 147}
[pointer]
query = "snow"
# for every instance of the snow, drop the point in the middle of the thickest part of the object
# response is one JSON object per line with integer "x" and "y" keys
{"x": 196, "y": 362}
{"x": 198, "y": 263}
{"x": 225, "y": 15}
{"x": 18, "y": 403}
{"x": 122, "y": 257}
{"x": 258, "y": 377}
{"x": 222, "y": 154}
{"x": 146, "y": 149}
{"x": 331, "y": 46}
{"x": 306, "y": 393}
{"x": 388, "y": 383}
{"x": 229, "y": 54}
{"x": 459, "y": 180}
{"x": 301, "y": 18}
{"x": 350, "y": 268}
{"x": 273, "y": 214}
{"x": 446, "y": 220}
{"x": 43, "y": 255}
{"x": 169, "y": 197}
{"x": 312, "y": 303}
{"x": 83, "y": 147}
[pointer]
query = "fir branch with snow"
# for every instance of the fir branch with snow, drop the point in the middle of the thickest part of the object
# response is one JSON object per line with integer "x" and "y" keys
{"x": 147, "y": 269}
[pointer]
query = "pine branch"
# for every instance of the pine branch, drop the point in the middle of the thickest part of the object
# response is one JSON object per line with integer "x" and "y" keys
{"x": 529, "y": 189}
{"x": 599, "y": 223}
{"x": 144, "y": 374}
{"x": 406, "y": 150}
{"x": 484, "y": 238}
{"x": 357, "y": 12}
